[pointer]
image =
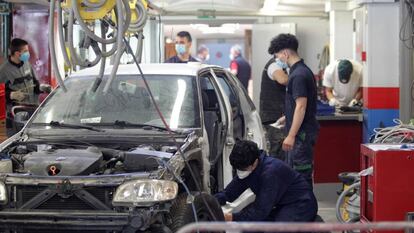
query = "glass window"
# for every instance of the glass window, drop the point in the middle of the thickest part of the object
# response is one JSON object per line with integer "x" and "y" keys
{"x": 126, "y": 100}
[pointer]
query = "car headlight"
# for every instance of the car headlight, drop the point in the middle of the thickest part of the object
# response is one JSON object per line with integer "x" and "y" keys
{"x": 144, "y": 192}
{"x": 3, "y": 193}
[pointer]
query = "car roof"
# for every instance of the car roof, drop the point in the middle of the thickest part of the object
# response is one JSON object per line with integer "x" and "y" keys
{"x": 190, "y": 69}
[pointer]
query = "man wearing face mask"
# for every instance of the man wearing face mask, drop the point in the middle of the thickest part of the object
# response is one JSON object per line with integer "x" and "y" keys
{"x": 239, "y": 66}
{"x": 272, "y": 101}
{"x": 182, "y": 48}
{"x": 20, "y": 79}
{"x": 300, "y": 108}
{"x": 203, "y": 54}
{"x": 282, "y": 194}
{"x": 342, "y": 80}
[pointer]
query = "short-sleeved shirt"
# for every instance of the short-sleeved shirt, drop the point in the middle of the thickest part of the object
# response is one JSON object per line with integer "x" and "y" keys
{"x": 301, "y": 84}
{"x": 344, "y": 93}
{"x": 176, "y": 59}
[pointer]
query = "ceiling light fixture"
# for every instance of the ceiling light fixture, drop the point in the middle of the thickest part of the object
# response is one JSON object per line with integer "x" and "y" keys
{"x": 269, "y": 6}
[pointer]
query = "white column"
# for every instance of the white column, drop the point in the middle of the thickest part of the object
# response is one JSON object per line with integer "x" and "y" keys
{"x": 379, "y": 21}
{"x": 340, "y": 30}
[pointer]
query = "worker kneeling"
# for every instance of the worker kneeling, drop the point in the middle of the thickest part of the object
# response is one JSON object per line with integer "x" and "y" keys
{"x": 282, "y": 194}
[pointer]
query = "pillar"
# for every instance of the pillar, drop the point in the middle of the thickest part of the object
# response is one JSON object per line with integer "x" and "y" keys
{"x": 379, "y": 23}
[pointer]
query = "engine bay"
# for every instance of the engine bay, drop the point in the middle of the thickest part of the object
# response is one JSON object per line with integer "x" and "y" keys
{"x": 81, "y": 160}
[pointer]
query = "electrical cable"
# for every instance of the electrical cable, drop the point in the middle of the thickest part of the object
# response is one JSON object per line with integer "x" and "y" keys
{"x": 401, "y": 133}
{"x": 192, "y": 174}
{"x": 187, "y": 190}
{"x": 121, "y": 45}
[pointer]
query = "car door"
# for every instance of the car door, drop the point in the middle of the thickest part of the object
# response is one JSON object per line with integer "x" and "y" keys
{"x": 229, "y": 138}
{"x": 236, "y": 112}
{"x": 252, "y": 123}
{"x": 217, "y": 125}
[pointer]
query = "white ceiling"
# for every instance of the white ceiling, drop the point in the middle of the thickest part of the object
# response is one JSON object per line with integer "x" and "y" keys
{"x": 241, "y": 7}
{"x": 231, "y": 7}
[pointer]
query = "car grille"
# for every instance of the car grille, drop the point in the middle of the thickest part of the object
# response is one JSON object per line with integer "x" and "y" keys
{"x": 24, "y": 194}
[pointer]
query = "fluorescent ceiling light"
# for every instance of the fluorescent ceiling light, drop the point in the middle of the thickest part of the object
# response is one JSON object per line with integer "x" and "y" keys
{"x": 227, "y": 28}
{"x": 269, "y": 6}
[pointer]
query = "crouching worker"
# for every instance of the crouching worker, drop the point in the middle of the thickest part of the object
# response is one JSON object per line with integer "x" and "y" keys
{"x": 282, "y": 194}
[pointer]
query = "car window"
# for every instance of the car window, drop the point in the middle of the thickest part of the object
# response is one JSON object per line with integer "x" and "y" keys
{"x": 126, "y": 100}
{"x": 241, "y": 90}
{"x": 227, "y": 89}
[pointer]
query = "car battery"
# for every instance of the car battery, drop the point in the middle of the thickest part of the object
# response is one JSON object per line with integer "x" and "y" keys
{"x": 387, "y": 192}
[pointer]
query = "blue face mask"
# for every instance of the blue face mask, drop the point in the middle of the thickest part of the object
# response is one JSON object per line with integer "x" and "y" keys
{"x": 282, "y": 64}
{"x": 180, "y": 48}
{"x": 24, "y": 57}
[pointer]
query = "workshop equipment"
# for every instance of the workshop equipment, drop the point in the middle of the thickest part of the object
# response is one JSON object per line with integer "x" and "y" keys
{"x": 117, "y": 19}
{"x": 387, "y": 194}
{"x": 348, "y": 203}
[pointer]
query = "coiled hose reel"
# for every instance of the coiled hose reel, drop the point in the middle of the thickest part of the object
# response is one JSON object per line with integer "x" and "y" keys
{"x": 124, "y": 17}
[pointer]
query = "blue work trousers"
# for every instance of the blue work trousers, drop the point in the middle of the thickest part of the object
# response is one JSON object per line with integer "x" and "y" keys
{"x": 300, "y": 158}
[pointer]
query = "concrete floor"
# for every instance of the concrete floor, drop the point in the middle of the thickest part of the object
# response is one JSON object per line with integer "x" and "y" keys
{"x": 326, "y": 194}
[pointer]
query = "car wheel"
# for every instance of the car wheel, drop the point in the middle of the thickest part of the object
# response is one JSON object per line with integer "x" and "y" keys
{"x": 182, "y": 212}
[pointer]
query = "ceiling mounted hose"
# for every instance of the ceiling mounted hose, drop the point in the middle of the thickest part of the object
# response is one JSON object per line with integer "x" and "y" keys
{"x": 124, "y": 17}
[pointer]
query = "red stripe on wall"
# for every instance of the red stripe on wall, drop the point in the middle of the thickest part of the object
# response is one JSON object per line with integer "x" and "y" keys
{"x": 381, "y": 97}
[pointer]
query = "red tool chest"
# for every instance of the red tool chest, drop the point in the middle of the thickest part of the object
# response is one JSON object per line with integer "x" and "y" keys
{"x": 387, "y": 194}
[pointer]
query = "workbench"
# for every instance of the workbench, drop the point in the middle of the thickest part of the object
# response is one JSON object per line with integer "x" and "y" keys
{"x": 337, "y": 148}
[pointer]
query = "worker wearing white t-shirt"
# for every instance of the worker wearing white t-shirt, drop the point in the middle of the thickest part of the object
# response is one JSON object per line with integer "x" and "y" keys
{"x": 342, "y": 80}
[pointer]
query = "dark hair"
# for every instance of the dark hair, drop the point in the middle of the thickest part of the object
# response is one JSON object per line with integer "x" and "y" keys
{"x": 16, "y": 45}
{"x": 244, "y": 154}
{"x": 185, "y": 34}
{"x": 283, "y": 41}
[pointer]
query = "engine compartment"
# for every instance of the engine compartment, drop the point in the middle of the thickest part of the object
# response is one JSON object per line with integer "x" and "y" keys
{"x": 80, "y": 160}
{"x": 63, "y": 162}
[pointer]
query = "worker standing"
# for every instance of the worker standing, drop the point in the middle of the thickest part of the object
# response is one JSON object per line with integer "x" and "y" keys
{"x": 183, "y": 43}
{"x": 21, "y": 84}
{"x": 239, "y": 66}
{"x": 272, "y": 101}
{"x": 203, "y": 54}
{"x": 343, "y": 80}
{"x": 282, "y": 194}
{"x": 300, "y": 107}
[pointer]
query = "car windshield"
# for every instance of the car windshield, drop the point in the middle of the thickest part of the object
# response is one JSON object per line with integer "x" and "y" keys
{"x": 126, "y": 100}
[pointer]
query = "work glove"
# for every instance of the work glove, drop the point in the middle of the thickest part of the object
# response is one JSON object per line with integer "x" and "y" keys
{"x": 280, "y": 123}
{"x": 353, "y": 103}
{"x": 333, "y": 102}
{"x": 45, "y": 88}
{"x": 17, "y": 95}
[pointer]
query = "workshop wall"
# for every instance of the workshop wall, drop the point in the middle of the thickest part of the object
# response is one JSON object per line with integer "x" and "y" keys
{"x": 313, "y": 35}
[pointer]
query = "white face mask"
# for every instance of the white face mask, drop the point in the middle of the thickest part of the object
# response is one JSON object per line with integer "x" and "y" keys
{"x": 231, "y": 56}
{"x": 243, "y": 174}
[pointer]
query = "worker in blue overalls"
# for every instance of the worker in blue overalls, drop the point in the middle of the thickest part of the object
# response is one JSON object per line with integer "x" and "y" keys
{"x": 282, "y": 194}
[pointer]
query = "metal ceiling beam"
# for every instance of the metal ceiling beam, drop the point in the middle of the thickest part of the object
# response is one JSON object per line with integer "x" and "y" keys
{"x": 250, "y": 13}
